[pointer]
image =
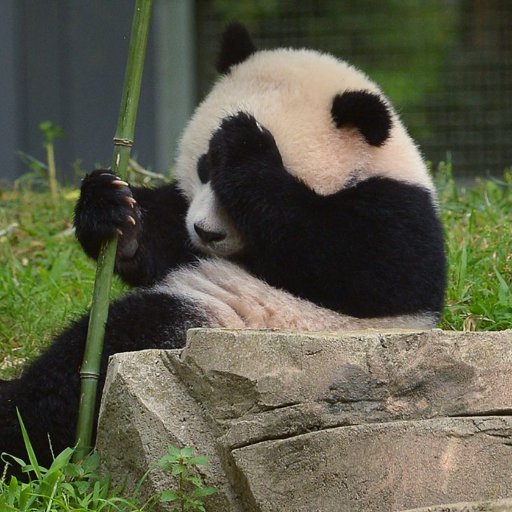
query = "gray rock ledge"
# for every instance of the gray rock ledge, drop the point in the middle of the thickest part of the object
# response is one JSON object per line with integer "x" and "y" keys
{"x": 327, "y": 422}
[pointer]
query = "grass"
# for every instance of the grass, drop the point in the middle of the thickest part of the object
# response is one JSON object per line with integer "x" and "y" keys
{"x": 46, "y": 280}
{"x": 477, "y": 222}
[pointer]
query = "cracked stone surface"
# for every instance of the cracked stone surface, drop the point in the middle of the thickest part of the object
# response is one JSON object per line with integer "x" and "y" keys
{"x": 362, "y": 421}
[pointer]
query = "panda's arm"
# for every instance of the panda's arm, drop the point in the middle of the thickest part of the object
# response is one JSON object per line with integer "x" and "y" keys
{"x": 374, "y": 249}
{"x": 150, "y": 224}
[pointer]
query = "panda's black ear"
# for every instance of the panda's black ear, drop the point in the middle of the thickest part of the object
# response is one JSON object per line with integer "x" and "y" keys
{"x": 236, "y": 46}
{"x": 364, "y": 110}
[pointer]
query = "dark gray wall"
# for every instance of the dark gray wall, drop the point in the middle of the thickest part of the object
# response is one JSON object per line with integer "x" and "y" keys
{"x": 69, "y": 58}
{"x": 9, "y": 119}
{"x": 175, "y": 74}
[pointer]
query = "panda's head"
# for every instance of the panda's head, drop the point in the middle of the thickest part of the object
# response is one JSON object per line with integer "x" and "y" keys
{"x": 332, "y": 125}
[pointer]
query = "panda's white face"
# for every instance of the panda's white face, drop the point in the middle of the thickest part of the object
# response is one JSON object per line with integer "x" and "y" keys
{"x": 291, "y": 93}
{"x": 208, "y": 226}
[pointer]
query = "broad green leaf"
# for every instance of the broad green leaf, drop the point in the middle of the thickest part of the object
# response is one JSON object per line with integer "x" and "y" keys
{"x": 204, "y": 491}
{"x": 168, "y": 496}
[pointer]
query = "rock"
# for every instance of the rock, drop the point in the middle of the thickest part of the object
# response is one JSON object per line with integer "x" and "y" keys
{"x": 362, "y": 421}
{"x": 144, "y": 409}
{"x": 378, "y": 467}
{"x": 487, "y": 506}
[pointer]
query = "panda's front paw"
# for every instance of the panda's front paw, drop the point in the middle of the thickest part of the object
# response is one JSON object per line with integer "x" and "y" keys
{"x": 106, "y": 208}
{"x": 242, "y": 144}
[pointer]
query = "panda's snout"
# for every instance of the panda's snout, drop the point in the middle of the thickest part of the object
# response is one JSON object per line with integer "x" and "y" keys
{"x": 208, "y": 236}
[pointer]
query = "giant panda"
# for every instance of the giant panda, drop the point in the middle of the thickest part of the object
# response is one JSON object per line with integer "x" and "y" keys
{"x": 300, "y": 202}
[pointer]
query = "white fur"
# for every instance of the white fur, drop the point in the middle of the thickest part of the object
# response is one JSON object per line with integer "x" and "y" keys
{"x": 290, "y": 92}
{"x": 235, "y": 299}
{"x": 206, "y": 212}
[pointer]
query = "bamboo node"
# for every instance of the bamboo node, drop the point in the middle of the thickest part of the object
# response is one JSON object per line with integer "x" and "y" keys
{"x": 89, "y": 375}
{"x": 128, "y": 143}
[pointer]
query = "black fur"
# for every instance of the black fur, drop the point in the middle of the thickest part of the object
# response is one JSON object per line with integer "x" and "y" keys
{"x": 236, "y": 47}
{"x": 364, "y": 110}
{"x": 47, "y": 394}
{"x": 150, "y": 248}
{"x": 203, "y": 169}
{"x": 375, "y": 249}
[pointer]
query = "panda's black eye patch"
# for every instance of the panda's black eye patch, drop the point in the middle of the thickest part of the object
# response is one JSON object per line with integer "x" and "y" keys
{"x": 203, "y": 168}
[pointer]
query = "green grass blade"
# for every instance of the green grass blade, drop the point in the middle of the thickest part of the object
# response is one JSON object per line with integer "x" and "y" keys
{"x": 28, "y": 446}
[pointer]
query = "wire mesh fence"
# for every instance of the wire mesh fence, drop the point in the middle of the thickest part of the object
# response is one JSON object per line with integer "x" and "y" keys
{"x": 445, "y": 64}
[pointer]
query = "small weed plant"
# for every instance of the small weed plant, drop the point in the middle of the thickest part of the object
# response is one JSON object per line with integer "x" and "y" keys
{"x": 190, "y": 491}
{"x": 68, "y": 486}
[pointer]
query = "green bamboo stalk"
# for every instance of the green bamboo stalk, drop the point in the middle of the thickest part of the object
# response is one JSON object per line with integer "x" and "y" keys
{"x": 123, "y": 140}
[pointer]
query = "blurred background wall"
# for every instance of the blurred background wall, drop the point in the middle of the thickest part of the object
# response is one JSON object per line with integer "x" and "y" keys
{"x": 446, "y": 65}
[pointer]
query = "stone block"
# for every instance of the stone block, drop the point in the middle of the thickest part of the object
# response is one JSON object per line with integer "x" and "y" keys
{"x": 379, "y": 467}
{"x": 362, "y": 421}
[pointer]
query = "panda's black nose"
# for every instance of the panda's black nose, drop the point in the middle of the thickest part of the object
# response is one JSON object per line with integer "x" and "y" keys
{"x": 208, "y": 236}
